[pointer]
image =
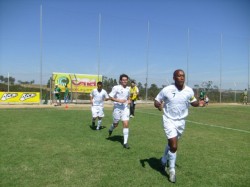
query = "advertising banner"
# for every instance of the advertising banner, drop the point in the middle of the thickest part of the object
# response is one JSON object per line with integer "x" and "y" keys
{"x": 19, "y": 97}
{"x": 76, "y": 82}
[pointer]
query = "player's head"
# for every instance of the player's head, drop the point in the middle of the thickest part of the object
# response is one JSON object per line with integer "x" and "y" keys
{"x": 123, "y": 79}
{"x": 132, "y": 83}
{"x": 179, "y": 78}
{"x": 99, "y": 85}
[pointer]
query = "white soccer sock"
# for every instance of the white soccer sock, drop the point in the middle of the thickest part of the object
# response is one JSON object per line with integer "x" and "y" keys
{"x": 111, "y": 127}
{"x": 125, "y": 135}
{"x": 99, "y": 123}
{"x": 165, "y": 154}
{"x": 172, "y": 159}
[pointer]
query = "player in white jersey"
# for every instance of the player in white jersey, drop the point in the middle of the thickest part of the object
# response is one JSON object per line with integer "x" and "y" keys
{"x": 97, "y": 98}
{"x": 120, "y": 94}
{"x": 174, "y": 100}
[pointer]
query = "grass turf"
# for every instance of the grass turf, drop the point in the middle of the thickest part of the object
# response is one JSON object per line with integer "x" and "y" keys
{"x": 57, "y": 147}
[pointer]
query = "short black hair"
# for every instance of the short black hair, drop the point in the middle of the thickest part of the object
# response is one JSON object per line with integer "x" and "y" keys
{"x": 99, "y": 82}
{"x": 175, "y": 72}
{"x": 123, "y": 75}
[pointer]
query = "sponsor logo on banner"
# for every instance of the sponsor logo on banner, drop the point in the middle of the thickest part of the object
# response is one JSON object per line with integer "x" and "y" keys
{"x": 26, "y": 96}
{"x": 7, "y": 96}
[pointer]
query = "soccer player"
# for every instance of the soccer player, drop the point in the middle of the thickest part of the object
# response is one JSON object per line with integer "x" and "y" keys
{"x": 245, "y": 97}
{"x": 174, "y": 100}
{"x": 134, "y": 91}
{"x": 57, "y": 92}
{"x": 97, "y": 98}
{"x": 121, "y": 96}
{"x": 66, "y": 95}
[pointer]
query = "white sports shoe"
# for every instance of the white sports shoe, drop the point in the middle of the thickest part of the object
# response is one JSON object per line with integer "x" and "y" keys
{"x": 172, "y": 177}
{"x": 97, "y": 128}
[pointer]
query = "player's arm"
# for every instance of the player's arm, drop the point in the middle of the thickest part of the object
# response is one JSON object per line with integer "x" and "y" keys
{"x": 91, "y": 100}
{"x": 158, "y": 105}
{"x": 194, "y": 102}
{"x": 118, "y": 100}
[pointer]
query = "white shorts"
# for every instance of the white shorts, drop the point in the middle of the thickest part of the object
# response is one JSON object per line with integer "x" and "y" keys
{"x": 120, "y": 113}
{"x": 173, "y": 128}
{"x": 97, "y": 111}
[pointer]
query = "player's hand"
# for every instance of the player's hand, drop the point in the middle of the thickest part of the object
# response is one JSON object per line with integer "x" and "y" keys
{"x": 201, "y": 103}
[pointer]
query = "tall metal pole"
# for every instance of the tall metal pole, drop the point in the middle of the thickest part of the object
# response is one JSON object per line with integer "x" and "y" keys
{"x": 187, "y": 73}
{"x": 8, "y": 82}
{"x": 221, "y": 51}
{"x": 147, "y": 64}
{"x": 248, "y": 83}
{"x": 99, "y": 46}
{"x": 41, "y": 49}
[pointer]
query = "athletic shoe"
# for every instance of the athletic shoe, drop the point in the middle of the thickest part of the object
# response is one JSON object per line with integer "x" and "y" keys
{"x": 110, "y": 132}
{"x": 172, "y": 177}
{"x": 126, "y": 146}
{"x": 93, "y": 124}
{"x": 132, "y": 116}
{"x": 97, "y": 128}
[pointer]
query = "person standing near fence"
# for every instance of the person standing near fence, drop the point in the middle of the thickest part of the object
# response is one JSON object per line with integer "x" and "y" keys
{"x": 97, "y": 98}
{"x": 120, "y": 94}
{"x": 57, "y": 92}
{"x": 66, "y": 95}
{"x": 245, "y": 97}
{"x": 134, "y": 91}
{"x": 174, "y": 100}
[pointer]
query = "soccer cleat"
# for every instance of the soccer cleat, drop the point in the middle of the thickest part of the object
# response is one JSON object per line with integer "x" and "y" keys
{"x": 110, "y": 132}
{"x": 172, "y": 177}
{"x": 93, "y": 124}
{"x": 126, "y": 146}
{"x": 132, "y": 116}
{"x": 97, "y": 128}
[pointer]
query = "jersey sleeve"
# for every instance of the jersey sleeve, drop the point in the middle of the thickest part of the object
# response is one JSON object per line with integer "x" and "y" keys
{"x": 192, "y": 98}
{"x": 160, "y": 96}
{"x": 113, "y": 92}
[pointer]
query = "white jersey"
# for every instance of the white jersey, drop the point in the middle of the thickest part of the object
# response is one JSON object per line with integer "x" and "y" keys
{"x": 119, "y": 92}
{"x": 98, "y": 97}
{"x": 176, "y": 102}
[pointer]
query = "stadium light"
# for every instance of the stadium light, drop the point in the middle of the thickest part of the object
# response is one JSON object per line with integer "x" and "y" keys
{"x": 99, "y": 47}
{"x": 41, "y": 49}
{"x": 147, "y": 64}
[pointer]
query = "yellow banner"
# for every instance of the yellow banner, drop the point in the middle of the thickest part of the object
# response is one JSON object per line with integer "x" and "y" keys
{"x": 76, "y": 82}
{"x": 20, "y": 97}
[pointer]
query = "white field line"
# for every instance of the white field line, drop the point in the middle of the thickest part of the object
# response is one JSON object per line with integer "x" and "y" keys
{"x": 227, "y": 128}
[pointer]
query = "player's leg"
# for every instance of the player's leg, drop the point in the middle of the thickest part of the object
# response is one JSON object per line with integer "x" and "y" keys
{"x": 164, "y": 158}
{"x": 100, "y": 116}
{"x": 125, "y": 122}
{"x": 170, "y": 149}
{"x": 94, "y": 112}
{"x": 116, "y": 119}
{"x": 132, "y": 109}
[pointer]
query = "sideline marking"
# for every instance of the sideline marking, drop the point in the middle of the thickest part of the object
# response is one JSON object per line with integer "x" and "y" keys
{"x": 227, "y": 128}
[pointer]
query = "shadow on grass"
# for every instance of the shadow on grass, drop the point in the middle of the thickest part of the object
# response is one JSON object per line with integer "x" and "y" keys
{"x": 94, "y": 127}
{"x": 155, "y": 164}
{"x": 116, "y": 138}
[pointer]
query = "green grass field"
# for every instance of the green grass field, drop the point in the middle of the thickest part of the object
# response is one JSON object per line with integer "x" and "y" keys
{"x": 57, "y": 147}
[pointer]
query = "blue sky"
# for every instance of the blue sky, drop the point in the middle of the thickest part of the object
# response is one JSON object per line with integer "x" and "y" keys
{"x": 133, "y": 34}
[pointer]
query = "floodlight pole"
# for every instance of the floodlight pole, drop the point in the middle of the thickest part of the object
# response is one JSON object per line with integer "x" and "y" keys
{"x": 147, "y": 64}
{"x": 41, "y": 49}
{"x": 99, "y": 46}
{"x": 248, "y": 69}
{"x": 187, "y": 73}
{"x": 8, "y": 82}
{"x": 221, "y": 48}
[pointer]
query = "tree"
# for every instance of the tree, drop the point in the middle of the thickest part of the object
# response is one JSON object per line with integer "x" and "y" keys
{"x": 153, "y": 91}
